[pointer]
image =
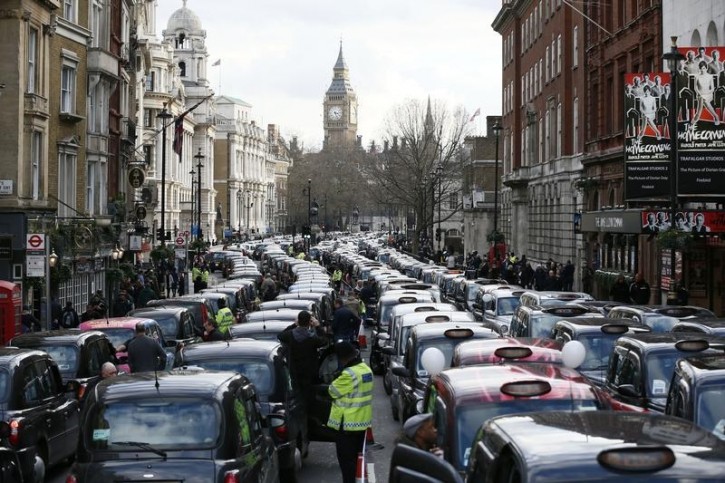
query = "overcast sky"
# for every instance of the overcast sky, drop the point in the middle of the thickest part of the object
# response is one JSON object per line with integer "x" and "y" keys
{"x": 278, "y": 56}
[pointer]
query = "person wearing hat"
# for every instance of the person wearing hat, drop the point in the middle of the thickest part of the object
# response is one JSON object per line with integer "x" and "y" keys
{"x": 351, "y": 413}
{"x": 420, "y": 432}
{"x": 144, "y": 352}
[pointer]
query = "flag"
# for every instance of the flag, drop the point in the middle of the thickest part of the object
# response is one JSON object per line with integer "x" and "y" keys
{"x": 218, "y": 62}
{"x": 179, "y": 126}
{"x": 179, "y": 134}
{"x": 478, "y": 111}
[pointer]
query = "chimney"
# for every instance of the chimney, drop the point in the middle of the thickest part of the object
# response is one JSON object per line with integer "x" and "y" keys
{"x": 395, "y": 142}
{"x": 272, "y": 134}
{"x": 386, "y": 145}
{"x": 359, "y": 140}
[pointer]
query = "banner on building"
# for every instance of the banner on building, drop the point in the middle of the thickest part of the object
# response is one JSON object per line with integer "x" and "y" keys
{"x": 701, "y": 121}
{"x": 698, "y": 221}
{"x": 646, "y": 135}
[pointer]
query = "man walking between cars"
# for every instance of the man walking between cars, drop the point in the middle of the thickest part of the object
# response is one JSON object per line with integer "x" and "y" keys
{"x": 345, "y": 323}
{"x": 302, "y": 340}
{"x": 144, "y": 352}
{"x": 351, "y": 413}
{"x": 639, "y": 291}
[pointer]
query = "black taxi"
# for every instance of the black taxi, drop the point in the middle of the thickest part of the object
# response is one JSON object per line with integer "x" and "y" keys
{"x": 594, "y": 446}
{"x": 641, "y": 367}
{"x": 440, "y": 340}
{"x": 697, "y": 392}
{"x": 538, "y": 321}
{"x": 189, "y": 425}
{"x": 265, "y": 364}
{"x": 461, "y": 398}
{"x": 598, "y": 336}
{"x": 42, "y": 420}
{"x": 704, "y": 326}
{"x": 661, "y": 318}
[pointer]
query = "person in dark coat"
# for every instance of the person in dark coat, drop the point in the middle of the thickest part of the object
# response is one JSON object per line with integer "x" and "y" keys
{"x": 639, "y": 291}
{"x": 567, "y": 276}
{"x": 553, "y": 282}
{"x": 145, "y": 353}
{"x": 345, "y": 323}
{"x": 527, "y": 276}
{"x": 211, "y": 331}
{"x": 539, "y": 278}
{"x": 69, "y": 317}
{"x": 619, "y": 292}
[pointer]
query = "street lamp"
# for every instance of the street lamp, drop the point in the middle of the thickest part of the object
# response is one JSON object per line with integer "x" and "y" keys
{"x": 199, "y": 158}
{"x": 249, "y": 206}
{"x": 193, "y": 212}
{"x": 673, "y": 58}
{"x": 163, "y": 115}
{"x": 496, "y": 132}
{"x": 239, "y": 210}
{"x": 439, "y": 176}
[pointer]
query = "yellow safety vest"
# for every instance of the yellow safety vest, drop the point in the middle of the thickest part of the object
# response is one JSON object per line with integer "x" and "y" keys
{"x": 205, "y": 276}
{"x": 352, "y": 399}
{"x": 224, "y": 319}
{"x": 336, "y": 276}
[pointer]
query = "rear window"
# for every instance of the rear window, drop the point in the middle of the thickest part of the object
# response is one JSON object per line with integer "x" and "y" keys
{"x": 260, "y": 372}
{"x": 162, "y": 423}
{"x": 66, "y": 356}
{"x": 169, "y": 327}
{"x": 118, "y": 335}
{"x": 4, "y": 385}
{"x": 507, "y": 305}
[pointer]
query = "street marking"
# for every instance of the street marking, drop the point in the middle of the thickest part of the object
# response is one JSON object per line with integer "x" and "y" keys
{"x": 371, "y": 473}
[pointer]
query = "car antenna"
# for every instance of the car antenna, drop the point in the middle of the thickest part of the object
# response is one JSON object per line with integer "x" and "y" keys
{"x": 156, "y": 374}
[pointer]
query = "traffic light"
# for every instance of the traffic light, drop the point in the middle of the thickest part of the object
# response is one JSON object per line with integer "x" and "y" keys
{"x": 159, "y": 234}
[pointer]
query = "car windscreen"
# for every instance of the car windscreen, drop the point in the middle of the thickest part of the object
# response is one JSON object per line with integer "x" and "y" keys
{"x": 470, "y": 417}
{"x": 4, "y": 385}
{"x": 66, "y": 356}
{"x": 598, "y": 346}
{"x": 507, "y": 305}
{"x": 260, "y": 372}
{"x": 472, "y": 291}
{"x": 162, "y": 423}
{"x": 169, "y": 326}
{"x": 117, "y": 335}
{"x": 711, "y": 410}
{"x": 447, "y": 346}
{"x": 385, "y": 312}
{"x": 542, "y": 325}
{"x": 660, "y": 366}
{"x": 660, "y": 323}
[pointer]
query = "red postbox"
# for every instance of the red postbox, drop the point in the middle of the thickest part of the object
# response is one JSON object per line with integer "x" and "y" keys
{"x": 11, "y": 302}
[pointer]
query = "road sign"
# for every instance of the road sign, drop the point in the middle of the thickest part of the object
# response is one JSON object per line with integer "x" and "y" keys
{"x": 140, "y": 212}
{"x": 35, "y": 241}
{"x": 180, "y": 241}
{"x": 35, "y": 265}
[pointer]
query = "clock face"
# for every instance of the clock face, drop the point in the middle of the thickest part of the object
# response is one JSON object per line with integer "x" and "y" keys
{"x": 335, "y": 113}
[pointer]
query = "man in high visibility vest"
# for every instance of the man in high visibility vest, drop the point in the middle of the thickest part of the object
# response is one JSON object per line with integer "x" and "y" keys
{"x": 351, "y": 413}
{"x": 224, "y": 317}
{"x": 337, "y": 278}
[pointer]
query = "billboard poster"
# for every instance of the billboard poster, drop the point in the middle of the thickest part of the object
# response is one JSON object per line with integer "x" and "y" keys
{"x": 646, "y": 135}
{"x": 695, "y": 221}
{"x": 701, "y": 121}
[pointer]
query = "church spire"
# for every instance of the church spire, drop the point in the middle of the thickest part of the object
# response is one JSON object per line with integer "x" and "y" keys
{"x": 429, "y": 124}
{"x": 340, "y": 64}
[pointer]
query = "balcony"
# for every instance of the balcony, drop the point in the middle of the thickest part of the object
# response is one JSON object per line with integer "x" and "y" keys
{"x": 36, "y": 105}
{"x": 102, "y": 62}
{"x": 128, "y": 131}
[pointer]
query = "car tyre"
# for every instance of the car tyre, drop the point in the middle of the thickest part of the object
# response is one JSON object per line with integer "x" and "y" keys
{"x": 376, "y": 364}
{"x": 394, "y": 410}
{"x": 40, "y": 465}
{"x": 387, "y": 383}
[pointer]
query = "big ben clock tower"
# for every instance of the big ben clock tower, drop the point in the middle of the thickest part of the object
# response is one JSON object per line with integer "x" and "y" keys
{"x": 340, "y": 108}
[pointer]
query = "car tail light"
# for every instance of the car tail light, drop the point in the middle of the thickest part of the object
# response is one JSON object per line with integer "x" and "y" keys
{"x": 279, "y": 425}
{"x": 71, "y": 479}
{"x": 232, "y": 477}
{"x": 81, "y": 391}
{"x": 14, "y": 436}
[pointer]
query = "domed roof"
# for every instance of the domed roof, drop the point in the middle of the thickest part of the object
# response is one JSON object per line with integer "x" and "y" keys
{"x": 184, "y": 19}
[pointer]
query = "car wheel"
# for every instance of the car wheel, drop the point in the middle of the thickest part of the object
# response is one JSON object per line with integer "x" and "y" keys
{"x": 387, "y": 383}
{"x": 40, "y": 465}
{"x": 376, "y": 365}
{"x": 394, "y": 410}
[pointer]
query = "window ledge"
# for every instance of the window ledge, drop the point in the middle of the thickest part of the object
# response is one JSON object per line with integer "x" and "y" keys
{"x": 70, "y": 117}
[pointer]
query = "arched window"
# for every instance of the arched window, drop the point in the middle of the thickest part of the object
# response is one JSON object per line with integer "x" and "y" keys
{"x": 182, "y": 69}
{"x": 712, "y": 35}
{"x": 696, "y": 42}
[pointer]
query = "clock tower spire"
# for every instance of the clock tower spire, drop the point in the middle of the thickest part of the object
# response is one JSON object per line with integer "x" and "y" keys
{"x": 340, "y": 107}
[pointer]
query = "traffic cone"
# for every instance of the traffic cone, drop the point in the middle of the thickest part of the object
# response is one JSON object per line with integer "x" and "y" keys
{"x": 362, "y": 341}
{"x": 370, "y": 439}
{"x": 361, "y": 474}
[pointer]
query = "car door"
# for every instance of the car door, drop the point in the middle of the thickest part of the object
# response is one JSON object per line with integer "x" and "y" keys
{"x": 61, "y": 413}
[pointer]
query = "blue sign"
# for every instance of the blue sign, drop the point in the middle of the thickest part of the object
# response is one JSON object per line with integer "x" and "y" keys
{"x": 227, "y": 233}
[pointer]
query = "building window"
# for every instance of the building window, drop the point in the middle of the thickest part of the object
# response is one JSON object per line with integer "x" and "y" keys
{"x": 453, "y": 201}
{"x": 98, "y": 25}
{"x": 69, "y": 10}
{"x": 575, "y": 48}
{"x": 558, "y": 130}
{"x": 548, "y": 64}
{"x": 575, "y": 140}
{"x": 68, "y": 89}
{"x": 32, "y": 60}
{"x": 147, "y": 118}
{"x": 558, "y": 55}
{"x": 148, "y": 151}
{"x": 36, "y": 164}
{"x": 182, "y": 69}
{"x": 95, "y": 186}
{"x": 67, "y": 160}
{"x": 150, "y": 81}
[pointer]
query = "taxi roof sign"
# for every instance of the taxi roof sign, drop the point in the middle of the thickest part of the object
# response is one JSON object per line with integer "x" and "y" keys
{"x": 637, "y": 460}
{"x": 513, "y": 352}
{"x": 530, "y": 388}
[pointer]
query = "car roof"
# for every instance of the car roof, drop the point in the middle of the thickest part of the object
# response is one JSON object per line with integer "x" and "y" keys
{"x": 594, "y": 324}
{"x": 663, "y": 340}
{"x": 483, "y": 351}
{"x": 706, "y": 322}
{"x": 272, "y": 314}
{"x": 395, "y": 296}
{"x": 162, "y": 309}
{"x": 63, "y": 336}
{"x": 426, "y": 331}
{"x": 233, "y": 347}
{"x": 10, "y": 354}
{"x": 114, "y": 322}
{"x": 475, "y": 384}
{"x": 258, "y": 326}
{"x": 165, "y": 383}
{"x": 437, "y": 316}
{"x": 707, "y": 363}
{"x": 581, "y": 437}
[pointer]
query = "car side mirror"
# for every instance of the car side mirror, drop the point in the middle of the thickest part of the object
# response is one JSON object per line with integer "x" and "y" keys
{"x": 388, "y": 350}
{"x": 401, "y": 371}
{"x": 627, "y": 390}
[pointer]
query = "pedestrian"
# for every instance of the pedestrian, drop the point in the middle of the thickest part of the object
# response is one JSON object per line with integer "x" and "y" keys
{"x": 527, "y": 276}
{"x": 539, "y": 278}
{"x": 619, "y": 292}
{"x": 553, "y": 282}
{"x": 182, "y": 284}
{"x": 268, "y": 288}
{"x": 56, "y": 311}
{"x": 29, "y": 322}
{"x": 587, "y": 277}
{"x": 211, "y": 331}
{"x": 567, "y": 277}
{"x": 639, "y": 291}
{"x": 337, "y": 279}
{"x": 420, "y": 432}
{"x": 345, "y": 323}
{"x": 145, "y": 296}
{"x": 172, "y": 282}
{"x": 224, "y": 317}
{"x": 69, "y": 317}
{"x": 198, "y": 284}
{"x": 108, "y": 371}
{"x": 122, "y": 305}
{"x": 302, "y": 341}
{"x": 145, "y": 353}
{"x": 351, "y": 413}
{"x": 91, "y": 313}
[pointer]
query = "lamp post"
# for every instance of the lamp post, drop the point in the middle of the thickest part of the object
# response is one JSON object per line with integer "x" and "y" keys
{"x": 672, "y": 58}
{"x": 163, "y": 115}
{"x": 52, "y": 262}
{"x": 249, "y": 207}
{"x": 439, "y": 233}
{"x": 199, "y": 158}
{"x": 239, "y": 211}
{"x": 496, "y": 132}
{"x": 193, "y": 212}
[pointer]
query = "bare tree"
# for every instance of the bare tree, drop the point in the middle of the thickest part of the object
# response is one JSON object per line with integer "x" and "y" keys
{"x": 423, "y": 162}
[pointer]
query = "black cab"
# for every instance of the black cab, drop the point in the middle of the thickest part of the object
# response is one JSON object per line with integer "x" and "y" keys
{"x": 641, "y": 367}
{"x": 264, "y": 363}
{"x": 598, "y": 335}
{"x": 177, "y": 324}
{"x": 697, "y": 392}
{"x": 594, "y": 446}
{"x": 704, "y": 326}
{"x": 42, "y": 419}
{"x": 187, "y": 425}
{"x": 440, "y": 336}
{"x": 535, "y": 321}
{"x": 79, "y": 355}
{"x": 661, "y": 318}
{"x": 265, "y": 330}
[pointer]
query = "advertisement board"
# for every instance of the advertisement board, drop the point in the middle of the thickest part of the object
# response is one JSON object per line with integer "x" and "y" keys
{"x": 695, "y": 221}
